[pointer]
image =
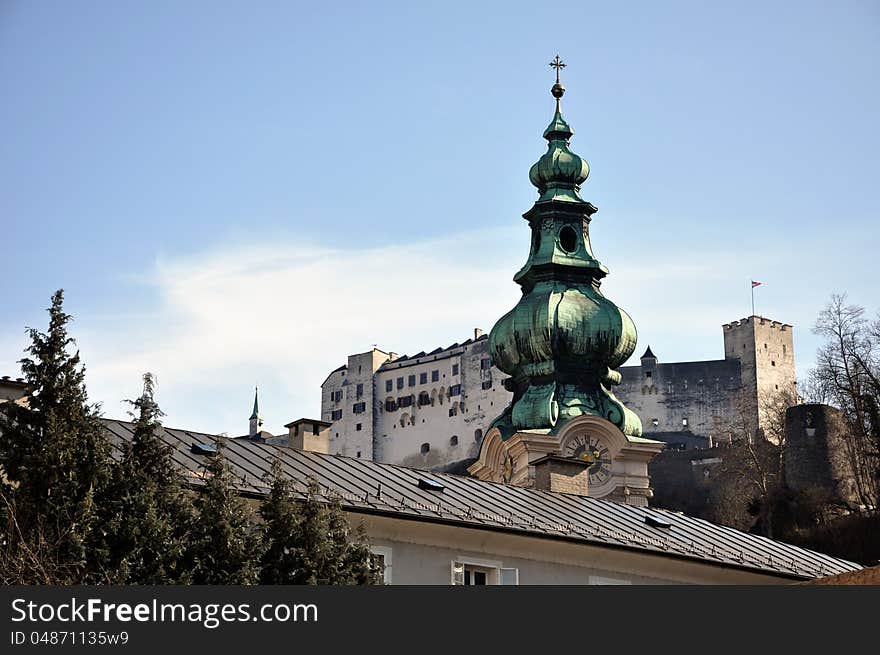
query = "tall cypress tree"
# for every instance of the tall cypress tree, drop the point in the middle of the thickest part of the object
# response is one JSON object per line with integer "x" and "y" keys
{"x": 224, "y": 544}
{"x": 146, "y": 512}
{"x": 309, "y": 541}
{"x": 55, "y": 459}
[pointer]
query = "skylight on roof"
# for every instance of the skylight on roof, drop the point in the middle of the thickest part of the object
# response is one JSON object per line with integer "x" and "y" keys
{"x": 657, "y": 522}
{"x": 204, "y": 449}
{"x": 430, "y": 485}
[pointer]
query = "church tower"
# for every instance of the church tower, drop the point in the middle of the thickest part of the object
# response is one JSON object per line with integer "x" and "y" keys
{"x": 256, "y": 421}
{"x": 561, "y": 345}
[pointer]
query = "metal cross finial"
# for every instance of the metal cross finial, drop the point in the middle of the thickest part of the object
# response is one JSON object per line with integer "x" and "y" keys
{"x": 557, "y": 64}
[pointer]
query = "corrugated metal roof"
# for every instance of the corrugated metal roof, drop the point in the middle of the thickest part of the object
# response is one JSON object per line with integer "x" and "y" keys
{"x": 377, "y": 488}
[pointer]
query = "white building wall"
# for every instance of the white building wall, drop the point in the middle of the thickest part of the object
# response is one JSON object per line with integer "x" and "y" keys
{"x": 461, "y": 395}
{"x": 423, "y": 553}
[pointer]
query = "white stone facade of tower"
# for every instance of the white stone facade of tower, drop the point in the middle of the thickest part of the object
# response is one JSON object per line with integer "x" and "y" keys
{"x": 429, "y": 410}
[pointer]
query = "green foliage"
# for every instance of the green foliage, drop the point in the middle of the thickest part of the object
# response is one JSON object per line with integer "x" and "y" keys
{"x": 72, "y": 514}
{"x": 224, "y": 544}
{"x": 55, "y": 459}
{"x": 309, "y": 541}
{"x": 145, "y": 514}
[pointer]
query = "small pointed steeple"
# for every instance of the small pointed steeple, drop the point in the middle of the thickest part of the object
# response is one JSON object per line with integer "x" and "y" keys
{"x": 559, "y": 173}
{"x": 256, "y": 421}
{"x": 649, "y": 354}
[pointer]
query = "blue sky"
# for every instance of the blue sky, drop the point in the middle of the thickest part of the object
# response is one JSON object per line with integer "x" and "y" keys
{"x": 235, "y": 193}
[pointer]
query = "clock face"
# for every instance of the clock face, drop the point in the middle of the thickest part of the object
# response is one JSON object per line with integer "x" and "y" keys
{"x": 507, "y": 468}
{"x": 593, "y": 451}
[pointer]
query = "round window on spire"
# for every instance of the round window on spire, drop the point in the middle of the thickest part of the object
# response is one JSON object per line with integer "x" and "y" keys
{"x": 568, "y": 239}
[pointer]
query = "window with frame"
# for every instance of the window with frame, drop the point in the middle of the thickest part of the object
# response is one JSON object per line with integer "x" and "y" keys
{"x": 382, "y": 558}
{"x": 389, "y": 385}
{"x": 336, "y": 415}
{"x": 404, "y": 401}
{"x": 487, "y": 384}
{"x": 423, "y": 378}
{"x": 360, "y": 391}
{"x": 455, "y": 369}
{"x": 455, "y": 390}
{"x": 435, "y": 376}
{"x": 359, "y": 408}
{"x": 424, "y": 399}
{"x": 485, "y": 364}
{"x": 468, "y": 572}
{"x": 412, "y": 380}
{"x": 400, "y": 383}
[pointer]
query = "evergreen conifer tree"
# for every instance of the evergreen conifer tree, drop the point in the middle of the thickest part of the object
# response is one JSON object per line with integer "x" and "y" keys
{"x": 55, "y": 459}
{"x": 309, "y": 541}
{"x": 224, "y": 544}
{"x": 146, "y": 512}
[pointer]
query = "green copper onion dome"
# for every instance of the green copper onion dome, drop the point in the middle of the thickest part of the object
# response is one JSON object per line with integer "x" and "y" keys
{"x": 559, "y": 173}
{"x": 563, "y": 341}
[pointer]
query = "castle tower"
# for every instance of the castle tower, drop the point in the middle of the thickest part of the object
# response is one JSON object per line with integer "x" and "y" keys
{"x": 256, "y": 421}
{"x": 765, "y": 349}
{"x": 561, "y": 345}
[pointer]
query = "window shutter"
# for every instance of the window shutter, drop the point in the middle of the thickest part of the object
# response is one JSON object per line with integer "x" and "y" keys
{"x": 457, "y": 573}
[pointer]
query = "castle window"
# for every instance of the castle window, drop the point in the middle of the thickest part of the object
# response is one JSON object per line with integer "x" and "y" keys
{"x": 485, "y": 364}
{"x": 390, "y": 405}
{"x": 453, "y": 440}
{"x": 647, "y": 374}
{"x": 455, "y": 390}
{"x": 359, "y": 453}
{"x": 389, "y": 385}
{"x": 684, "y": 422}
{"x": 425, "y": 449}
{"x": 424, "y": 399}
{"x": 358, "y": 427}
{"x": 455, "y": 369}
{"x": 452, "y": 411}
{"x": 773, "y": 363}
{"x": 435, "y": 376}
{"x": 412, "y": 380}
{"x": 487, "y": 384}
{"x": 423, "y": 378}
{"x": 359, "y": 408}
{"x": 783, "y": 350}
{"x": 404, "y": 401}
{"x": 765, "y": 346}
{"x": 478, "y": 435}
{"x": 400, "y": 383}
{"x": 336, "y": 415}
{"x": 360, "y": 391}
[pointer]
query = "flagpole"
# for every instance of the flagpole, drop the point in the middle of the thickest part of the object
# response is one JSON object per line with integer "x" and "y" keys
{"x": 753, "y": 298}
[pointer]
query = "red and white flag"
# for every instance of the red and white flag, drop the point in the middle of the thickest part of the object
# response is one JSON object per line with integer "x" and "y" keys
{"x": 755, "y": 284}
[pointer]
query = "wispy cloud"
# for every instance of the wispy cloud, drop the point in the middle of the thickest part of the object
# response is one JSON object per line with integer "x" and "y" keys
{"x": 285, "y": 313}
